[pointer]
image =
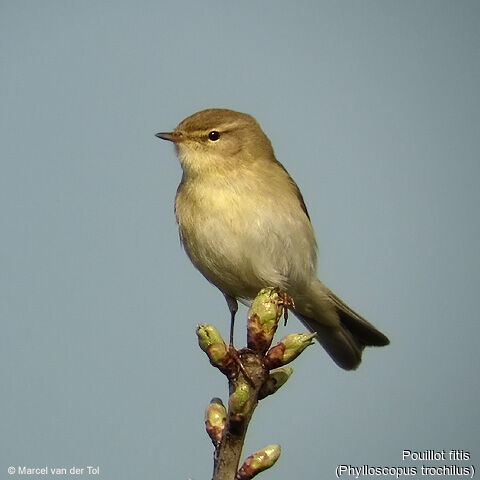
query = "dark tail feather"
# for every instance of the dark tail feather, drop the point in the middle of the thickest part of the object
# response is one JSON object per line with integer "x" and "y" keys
{"x": 345, "y": 342}
{"x": 362, "y": 330}
{"x": 339, "y": 343}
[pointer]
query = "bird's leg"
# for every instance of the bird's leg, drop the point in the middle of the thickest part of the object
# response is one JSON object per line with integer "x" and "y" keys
{"x": 233, "y": 307}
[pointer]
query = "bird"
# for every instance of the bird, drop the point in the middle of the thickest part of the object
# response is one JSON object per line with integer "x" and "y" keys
{"x": 244, "y": 225}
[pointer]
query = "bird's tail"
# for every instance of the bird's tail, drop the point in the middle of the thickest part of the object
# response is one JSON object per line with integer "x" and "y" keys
{"x": 345, "y": 338}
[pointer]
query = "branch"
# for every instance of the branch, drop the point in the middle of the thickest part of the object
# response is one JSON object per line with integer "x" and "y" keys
{"x": 253, "y": 373}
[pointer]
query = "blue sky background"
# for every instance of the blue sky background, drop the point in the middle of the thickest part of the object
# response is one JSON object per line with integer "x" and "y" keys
{"x": 372, "y": 106}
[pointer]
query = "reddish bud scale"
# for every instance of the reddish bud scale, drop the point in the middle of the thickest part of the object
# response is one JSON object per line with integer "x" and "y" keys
{"x": 274, "y": 357}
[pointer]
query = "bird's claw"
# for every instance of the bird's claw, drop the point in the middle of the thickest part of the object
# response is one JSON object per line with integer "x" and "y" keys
{"x": 286, "y": 302}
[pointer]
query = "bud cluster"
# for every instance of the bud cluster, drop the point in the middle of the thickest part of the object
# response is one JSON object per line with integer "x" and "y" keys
{"x": 246, "y": 389}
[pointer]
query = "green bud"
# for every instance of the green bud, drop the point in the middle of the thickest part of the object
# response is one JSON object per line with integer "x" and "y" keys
{"x": 238, "y": 401}
{"x": 208, "y": 335}
{"x": 258, "y": 462}
{"x": 289, "y": 348}
{"x": 217, "y": 353}
{"x": 275, "y": 380}
{"x": 263, "y": 318}
{"x": 215, "y": 420}
{"x": 211, "y": 342}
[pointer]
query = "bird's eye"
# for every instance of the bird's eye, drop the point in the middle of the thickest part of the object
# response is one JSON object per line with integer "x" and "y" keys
{"x": 213, "y": 135}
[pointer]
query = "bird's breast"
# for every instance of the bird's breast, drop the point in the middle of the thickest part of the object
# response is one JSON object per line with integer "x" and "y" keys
{"x": 242, "y": 236}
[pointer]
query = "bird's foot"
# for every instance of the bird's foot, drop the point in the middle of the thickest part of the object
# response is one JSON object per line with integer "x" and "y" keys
{"x": 286, "y": 302}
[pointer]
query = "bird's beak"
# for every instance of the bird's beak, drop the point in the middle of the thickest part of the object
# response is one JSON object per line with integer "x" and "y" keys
{"x": 170, "y": 136}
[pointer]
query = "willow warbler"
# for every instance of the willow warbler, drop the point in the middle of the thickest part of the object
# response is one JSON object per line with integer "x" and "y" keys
{"x": 245, "y": 226}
